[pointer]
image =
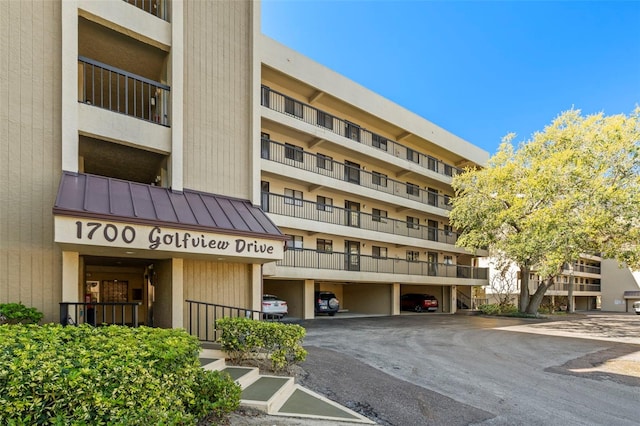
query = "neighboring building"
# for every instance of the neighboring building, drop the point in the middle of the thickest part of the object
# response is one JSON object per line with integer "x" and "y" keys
{"x": 130, "y": 156}
{"x": 139, "y": 140}
{"x": 362, "y": 188}
{"x": 621, "y": 287}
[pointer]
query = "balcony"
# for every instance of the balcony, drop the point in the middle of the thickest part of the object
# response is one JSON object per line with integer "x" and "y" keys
{"x": 294, "y": 108}
{"x": 294, "y": 207}
{"x": 322, "y": 165}
{"x": 564, "y": 287}
{"x": 106, "y": 87}
{"x": 337, "y": 261}
{"x": 588, "y": 269}
{"x": 157, "y": 8}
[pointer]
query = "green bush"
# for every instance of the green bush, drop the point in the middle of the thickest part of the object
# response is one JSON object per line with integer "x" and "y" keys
{"x": 14, "y": 313}
{"x": 244, "y": 338}
{"x": 498, "y": 309}
{"x": 107, "y": 375}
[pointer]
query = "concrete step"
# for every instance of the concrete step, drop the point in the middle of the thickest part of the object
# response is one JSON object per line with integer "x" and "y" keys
{"x": 267, "y": 392}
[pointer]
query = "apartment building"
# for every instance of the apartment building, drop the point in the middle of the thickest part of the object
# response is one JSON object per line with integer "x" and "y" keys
{"x": 361, "y": 187}
{"x": 621, "y": 287}
{"x": 130, "y": 159}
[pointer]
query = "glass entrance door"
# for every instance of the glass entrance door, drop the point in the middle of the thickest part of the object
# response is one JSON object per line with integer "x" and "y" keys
{"x": 352, "y": 252}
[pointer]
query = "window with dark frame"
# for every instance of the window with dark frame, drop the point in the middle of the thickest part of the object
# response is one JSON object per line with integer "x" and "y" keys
{"x": 265, "y": 95}
{"x": 379, "y": 252}
{"x": 293, "y": 152}
{"x": 413, "y": 155}
{"x": 352, "y": 131}
{"x": 413, "y": 256}
{"x": 432, "y": 164}
{"x": 294, "y": 242}
{"x": 324, "y": 162}
{"x": 447, "y": 200}
{"x": 293, "y": 107}
{"x": 379, "y": 215}
{"x": 324, "y": 203}
{"x": 325, "y": 246}
{"x": 293, "y": 196}
{"x": 379, "y": 142}
{"x": 378, "y": 178}
{"x": 448, "y": 170}
{"x": 412, "y": 222}
{"x": 413, "y": 189}
{"x": 352, "y": 172}
{"x": 325, "y": 120}
{"x": 432, "y": 196}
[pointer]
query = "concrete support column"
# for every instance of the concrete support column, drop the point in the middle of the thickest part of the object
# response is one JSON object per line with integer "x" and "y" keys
{"x": 395, "y": 299}
{"x": 69, "y": 88}
{"x": 454, "y": 299}
{"x": 256, "y": 287}
{"x": 70, "y": 276}
{"x": 176, "y": 79}
{"x": 309, "y": 299}
{"x": 177, "y": 293}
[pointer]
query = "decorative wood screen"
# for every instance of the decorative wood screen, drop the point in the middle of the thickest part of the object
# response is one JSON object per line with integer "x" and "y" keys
{"x": 115, "y": 291}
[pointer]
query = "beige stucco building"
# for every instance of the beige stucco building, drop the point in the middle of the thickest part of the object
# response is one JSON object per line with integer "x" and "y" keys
{"x": 163, "y": 151}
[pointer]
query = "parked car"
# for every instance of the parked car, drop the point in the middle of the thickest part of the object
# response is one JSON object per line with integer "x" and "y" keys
{"x": 418, "y": 302}
{"x": 636, "y": 307}
{"x": 273, "y": 307}
{"x": 326, "y": 303}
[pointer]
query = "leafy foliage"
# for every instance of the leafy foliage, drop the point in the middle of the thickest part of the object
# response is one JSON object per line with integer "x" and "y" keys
{"x": 106, "y": 375}
{"x": 572, "y": 189}
{"x": 19, "y": 313}
{"x": 280, "y": 344}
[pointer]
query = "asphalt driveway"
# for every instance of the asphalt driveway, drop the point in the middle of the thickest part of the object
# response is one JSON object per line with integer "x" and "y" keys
{"x": 430, "y": 369}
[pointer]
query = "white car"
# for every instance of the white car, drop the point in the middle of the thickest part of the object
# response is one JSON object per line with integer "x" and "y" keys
{"x": 273, "y": 307}
{"x": 636, "y": 307}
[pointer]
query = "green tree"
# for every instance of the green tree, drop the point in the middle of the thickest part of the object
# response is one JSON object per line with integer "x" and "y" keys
{"x": 571, "y": 189}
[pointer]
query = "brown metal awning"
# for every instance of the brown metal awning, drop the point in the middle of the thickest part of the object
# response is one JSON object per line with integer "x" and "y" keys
{"x": 99, "y": 197}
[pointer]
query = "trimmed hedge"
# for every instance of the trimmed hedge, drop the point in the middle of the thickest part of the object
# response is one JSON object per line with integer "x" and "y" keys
{"x": 244, "y": 339}
{"x": 15, "y": 313}
{"x": 107, "y": 375}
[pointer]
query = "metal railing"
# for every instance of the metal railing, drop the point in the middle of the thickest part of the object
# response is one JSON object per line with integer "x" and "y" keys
{"x": 465, "y": 302}
{"x": 203, "y": 317}
{"x": 295, "y": 207}
{"x": 300, "y": 159}
{"x": 338, "y": 261}
{"x": 111, "y": 88}
{"x": 99, "y": 313}
{"x": 565, "y": 286}
{"x": 590, "y": 269}
{"x": 286, "y": 105}
{"x": 157, "y": 8}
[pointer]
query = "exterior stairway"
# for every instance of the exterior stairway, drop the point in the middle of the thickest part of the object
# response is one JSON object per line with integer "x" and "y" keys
{"x": 278, "y": 395}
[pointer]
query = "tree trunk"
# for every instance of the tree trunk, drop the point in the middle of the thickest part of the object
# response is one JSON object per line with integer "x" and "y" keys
{"x": 536, "y": 299}
{"x": 524, "y": 288}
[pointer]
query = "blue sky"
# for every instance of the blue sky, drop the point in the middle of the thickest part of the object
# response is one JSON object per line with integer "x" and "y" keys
{"x": 480, "y": 69}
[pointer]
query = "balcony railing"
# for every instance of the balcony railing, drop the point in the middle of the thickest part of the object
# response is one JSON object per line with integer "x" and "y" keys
{"x": 119, "y": 91}
{"x": 337, "y": 261}
{"x": 590, "y": 269}
{"x": 295, "y": 207}
{"x": 294, "y": 108}
{"x": 155, "y": 7}
{"x": 565, "y": 286}
{"x": 298, "y": 158}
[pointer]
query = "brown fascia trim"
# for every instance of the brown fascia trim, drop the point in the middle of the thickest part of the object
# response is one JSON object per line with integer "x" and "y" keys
{"x": 125, "y": 219}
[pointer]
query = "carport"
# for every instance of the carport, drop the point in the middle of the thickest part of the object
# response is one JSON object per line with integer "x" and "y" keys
{"x": 441, "y": 292}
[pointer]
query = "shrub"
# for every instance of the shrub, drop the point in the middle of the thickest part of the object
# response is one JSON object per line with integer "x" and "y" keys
{"x": 498, "y": 309}
{"x": 14, "y": 313}
{"x": 280, "y": 344}
{"x": 106, "y": 375}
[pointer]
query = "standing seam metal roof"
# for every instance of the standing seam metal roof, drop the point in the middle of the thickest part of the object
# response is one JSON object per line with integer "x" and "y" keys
{"x": 85, "y": 195}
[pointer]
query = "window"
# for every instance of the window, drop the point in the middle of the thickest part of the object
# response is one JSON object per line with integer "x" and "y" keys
{"x": 448, "y": 260}
{"x": 352, "y": 131}
{"x": 293, "y": 107}
{"x": 379, "y": 216}
{"x": 432, "y": 164}
{"x": 352, "y": 172}
{"x": 265, "y": 145}
{"x": 294, "y": 242}
{"x": 379, "y": 252}
{"x": 412, "y": 222}
{"x": 447, "y": 200}
{"x": 293, "y": 152}
{"x": 324, "y": 162}
{"x": 292, "y": 196}
{"x": 448, "y": 230}
{"x": 379, "y": 142}
{"x": 115, "y": 291}
{"x": 413, "y": 256}
{"x": 448, "y": 170}
{"x": 265, "y": 95}
{"x": 379, "y": 179}
{"x": 325, "y": 120}
{"x": 413, "y": 155}
{"x": 325, "y": 246}
{"x": 324, "y": 204}
{"x": 413, "y": 189}
{"x": 432, "y": 196}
